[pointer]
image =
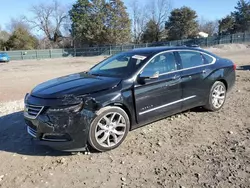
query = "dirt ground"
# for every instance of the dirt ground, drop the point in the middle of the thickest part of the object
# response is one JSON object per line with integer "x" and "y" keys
{"x": 192, "y": 149}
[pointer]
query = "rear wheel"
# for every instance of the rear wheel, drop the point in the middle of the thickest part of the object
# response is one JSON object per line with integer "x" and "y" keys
{"x": 217, "y": 96}
{"x": 109, "y": 129}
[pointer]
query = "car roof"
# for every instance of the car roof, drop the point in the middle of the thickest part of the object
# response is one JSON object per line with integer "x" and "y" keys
{"x": 166, "y": 48}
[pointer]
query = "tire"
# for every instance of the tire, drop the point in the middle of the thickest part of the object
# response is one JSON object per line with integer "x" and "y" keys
{"x": 218, "y": 90}
{"x": 109, "y": 129}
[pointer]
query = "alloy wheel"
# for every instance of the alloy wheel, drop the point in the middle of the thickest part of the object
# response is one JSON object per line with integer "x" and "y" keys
{"x": 218, "y": 96}
{"x": 110, "y": 129}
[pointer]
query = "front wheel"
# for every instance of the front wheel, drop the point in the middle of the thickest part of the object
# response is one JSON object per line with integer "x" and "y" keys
{"x": 217, "y": 96}
{"x": 109, "y": 129}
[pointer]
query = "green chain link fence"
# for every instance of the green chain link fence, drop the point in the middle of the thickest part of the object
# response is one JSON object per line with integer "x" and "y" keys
{"x": 111, "y": 50}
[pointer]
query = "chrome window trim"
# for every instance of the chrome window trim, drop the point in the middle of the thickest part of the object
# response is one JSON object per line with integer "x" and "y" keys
{"x": 183, "y": 50}
{"x": 168, "y": 104}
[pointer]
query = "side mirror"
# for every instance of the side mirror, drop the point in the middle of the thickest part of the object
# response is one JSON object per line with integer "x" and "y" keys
{"x": 145, "y": 75}
{"x": 149, "y": 75}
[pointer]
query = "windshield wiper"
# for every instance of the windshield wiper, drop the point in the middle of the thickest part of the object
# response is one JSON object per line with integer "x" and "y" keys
{"x": 95, "y": 74}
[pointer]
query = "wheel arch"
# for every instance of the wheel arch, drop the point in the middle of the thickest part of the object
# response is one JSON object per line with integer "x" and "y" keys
{"x": 123, "y": 107}
{"x": 224, "y": 82}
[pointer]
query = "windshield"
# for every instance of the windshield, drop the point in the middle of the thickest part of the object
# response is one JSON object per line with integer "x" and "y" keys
{"x": 120, "y": 65}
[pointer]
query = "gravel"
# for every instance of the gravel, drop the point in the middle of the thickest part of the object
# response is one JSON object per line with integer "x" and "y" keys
{"x": 11, "y": 107}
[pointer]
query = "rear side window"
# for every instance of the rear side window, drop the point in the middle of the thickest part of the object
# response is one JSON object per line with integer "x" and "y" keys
{"x": 208, "y": 59}
{"x": 191, "y": 59}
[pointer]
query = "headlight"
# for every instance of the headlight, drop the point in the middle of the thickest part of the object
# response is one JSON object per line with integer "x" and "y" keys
{"x": 26, "y": 98}
{"x": 74, "y": 108}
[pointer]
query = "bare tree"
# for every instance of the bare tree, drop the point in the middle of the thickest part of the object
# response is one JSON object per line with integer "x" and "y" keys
{"x": 17, "y": 23}
{"x": 4, "y": 36}
{"x": 156, "y": 11}
{"x": 49, "y": 18}
{"x": 159, "y": 12}
{"x": 209, "y": 27}
{"x": 139, "y": 20}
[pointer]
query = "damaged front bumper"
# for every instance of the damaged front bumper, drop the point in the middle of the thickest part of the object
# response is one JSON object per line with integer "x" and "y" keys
{"x": 62, "y": 129}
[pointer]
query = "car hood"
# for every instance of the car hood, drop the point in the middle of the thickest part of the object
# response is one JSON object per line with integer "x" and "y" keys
{"x": 74, "y": 84}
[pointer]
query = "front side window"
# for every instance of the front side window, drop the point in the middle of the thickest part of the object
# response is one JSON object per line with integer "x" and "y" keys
{"x": 162, "y": 63}
{"x": 191, "y": 59}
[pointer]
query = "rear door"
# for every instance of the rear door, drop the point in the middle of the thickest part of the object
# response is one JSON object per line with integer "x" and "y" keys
{"x": 194, "y": 71}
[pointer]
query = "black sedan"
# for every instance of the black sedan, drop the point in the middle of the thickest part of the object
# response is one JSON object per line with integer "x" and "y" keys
{"x": 99, "y": 107}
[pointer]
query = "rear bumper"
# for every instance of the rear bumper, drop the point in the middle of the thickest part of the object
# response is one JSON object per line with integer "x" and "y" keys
{"x": 60, "y": 130}
{"x": 231, "y": 79}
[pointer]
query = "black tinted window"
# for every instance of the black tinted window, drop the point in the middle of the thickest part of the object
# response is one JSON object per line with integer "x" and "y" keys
{"x": 208, "y": 59}
{"x": 191, "y": 59}
{"x": 163, "y": 63}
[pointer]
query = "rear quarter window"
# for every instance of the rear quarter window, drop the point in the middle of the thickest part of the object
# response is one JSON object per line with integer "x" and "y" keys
{"x": 208, "y": 59}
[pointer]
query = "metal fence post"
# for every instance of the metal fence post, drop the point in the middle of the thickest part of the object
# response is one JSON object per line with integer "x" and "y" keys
{"x": 99, "y": 50}
{"x": 244, "y": 37}
{"x": 232, "y": 39}
{"x": 207, "y": 42}
{"x": 50, "y": 53}
{"x": 36, "y": 55}
{"x": 110, "y": 50}
{"x": 74, "y": 52}
{"x": 22, "y": 54}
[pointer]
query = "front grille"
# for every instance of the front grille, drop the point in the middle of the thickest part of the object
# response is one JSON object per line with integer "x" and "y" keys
{"x": 31, "y": 131}
{"x": 32, "y": 111}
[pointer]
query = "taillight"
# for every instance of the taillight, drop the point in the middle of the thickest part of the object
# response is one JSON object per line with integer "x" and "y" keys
{"x": 235, "y": 67}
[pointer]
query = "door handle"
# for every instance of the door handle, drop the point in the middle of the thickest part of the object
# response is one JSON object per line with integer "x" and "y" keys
{"x": 176, "y": 77}
{"x": 175, "y": 80}
{"x": 204, "y": 71}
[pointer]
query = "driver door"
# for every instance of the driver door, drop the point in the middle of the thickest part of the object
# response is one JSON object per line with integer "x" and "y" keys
{"x": 156, "y": 97}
